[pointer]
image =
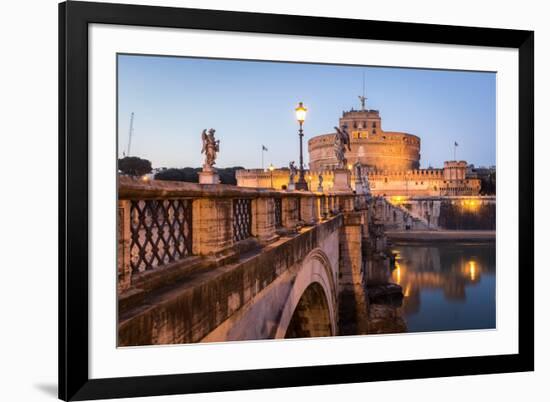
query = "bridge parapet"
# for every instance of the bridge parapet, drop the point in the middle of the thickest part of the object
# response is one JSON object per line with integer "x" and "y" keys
{"x": 172, "y": 226}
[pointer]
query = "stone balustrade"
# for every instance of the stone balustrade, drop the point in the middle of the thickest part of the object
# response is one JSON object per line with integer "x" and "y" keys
{"x": 163, "y": 224}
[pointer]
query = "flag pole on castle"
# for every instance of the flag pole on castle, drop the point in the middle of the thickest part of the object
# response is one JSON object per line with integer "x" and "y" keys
{"x": 456, "y": 145}
{"x": 263, "y": 149}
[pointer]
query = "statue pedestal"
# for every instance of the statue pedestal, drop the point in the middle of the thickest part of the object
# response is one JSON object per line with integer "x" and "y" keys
{"x": 342, "y": 180}
{"x": 209, "y": 177}
{"x": 291, "y": 187}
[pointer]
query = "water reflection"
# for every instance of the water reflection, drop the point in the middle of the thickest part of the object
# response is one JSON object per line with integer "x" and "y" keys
{"x": 446, "y": 286}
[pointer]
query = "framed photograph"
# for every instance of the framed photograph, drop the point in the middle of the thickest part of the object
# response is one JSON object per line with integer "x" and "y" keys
{"x": 259, "y": 200}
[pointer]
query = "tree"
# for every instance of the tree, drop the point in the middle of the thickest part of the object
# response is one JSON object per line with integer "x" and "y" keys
{"x": 186, "y": 174}
{"x": 227, "y": 175}
{"x": 489, "y": 184}
{"x": 134, "y": 166}
{"x": 191, "y": 175}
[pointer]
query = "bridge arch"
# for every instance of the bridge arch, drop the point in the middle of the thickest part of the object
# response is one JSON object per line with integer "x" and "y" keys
{"x": 311, "y": 307}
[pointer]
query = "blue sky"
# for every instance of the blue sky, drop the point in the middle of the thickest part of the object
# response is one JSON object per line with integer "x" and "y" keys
{"x": 251, "y": 103}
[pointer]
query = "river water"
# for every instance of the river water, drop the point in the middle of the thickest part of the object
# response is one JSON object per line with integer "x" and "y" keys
{"x": 446, "y": 286}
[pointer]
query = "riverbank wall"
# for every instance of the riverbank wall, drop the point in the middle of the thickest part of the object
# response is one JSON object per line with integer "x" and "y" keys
{"x": 424, "y": 236}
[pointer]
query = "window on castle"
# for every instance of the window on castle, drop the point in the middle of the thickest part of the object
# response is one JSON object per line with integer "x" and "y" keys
{"x": 374, "y": 131}
{"x": 373, "y": 124}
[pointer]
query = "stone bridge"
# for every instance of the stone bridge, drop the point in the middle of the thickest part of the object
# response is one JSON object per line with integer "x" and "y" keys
{"x": 210, "y": 263}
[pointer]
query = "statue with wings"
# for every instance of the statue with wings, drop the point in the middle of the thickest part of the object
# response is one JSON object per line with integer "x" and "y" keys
{"x": 292, "y": 172}
{"x": 362, "y": 99}
{"x": 341, "y": 142}
{"x": 210, "y": 147}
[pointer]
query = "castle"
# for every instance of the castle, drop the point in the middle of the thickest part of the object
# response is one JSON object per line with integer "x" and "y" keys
{"x": 390, "y": 160}
{"x": 371, "y": 146}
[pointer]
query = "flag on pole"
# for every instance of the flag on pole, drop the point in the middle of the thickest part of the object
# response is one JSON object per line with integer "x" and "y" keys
{"x": 264, "y": 148}
{"x": 454, "y": 151}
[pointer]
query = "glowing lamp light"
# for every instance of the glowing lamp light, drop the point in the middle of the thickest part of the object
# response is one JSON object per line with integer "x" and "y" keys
{"x": 471, "y": 205}
{"x": 301, "y": 113}
{"x": 271, "y": 167}
{"x": 145, "y": 178}
{"x": 397, "y": 199}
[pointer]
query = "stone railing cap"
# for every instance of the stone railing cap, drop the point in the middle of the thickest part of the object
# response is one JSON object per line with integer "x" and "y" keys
{"x": 136, "y": 188}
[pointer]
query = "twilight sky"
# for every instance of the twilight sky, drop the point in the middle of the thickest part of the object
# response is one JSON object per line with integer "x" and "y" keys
{"x": 252, "y": 103}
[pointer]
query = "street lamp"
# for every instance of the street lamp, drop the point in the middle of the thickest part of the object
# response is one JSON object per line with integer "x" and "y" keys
{"x": 301, "y": 117}
{"x": 271, "y": 169}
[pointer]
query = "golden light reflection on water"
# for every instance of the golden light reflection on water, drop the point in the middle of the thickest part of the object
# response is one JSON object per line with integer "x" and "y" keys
{"x": 473, "y": 270}
{"x": 440, "y": 276}
{"x": 396, "y": 274}
{"x": 426, "y": 271}
{"x": 407, "y": 291}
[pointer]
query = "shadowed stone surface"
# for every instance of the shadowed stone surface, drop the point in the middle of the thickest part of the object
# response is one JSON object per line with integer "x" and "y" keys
{"x": 189, "y": 310}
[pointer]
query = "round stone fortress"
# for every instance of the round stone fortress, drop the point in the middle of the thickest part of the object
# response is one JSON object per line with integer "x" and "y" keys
{"x": 371, "y": 146}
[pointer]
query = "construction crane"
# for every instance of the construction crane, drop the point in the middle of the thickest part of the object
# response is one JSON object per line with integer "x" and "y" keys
{"x": 130, "y": 132}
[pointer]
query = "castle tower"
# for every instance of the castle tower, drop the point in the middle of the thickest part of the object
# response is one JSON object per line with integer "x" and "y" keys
{"x": 371, "y": 146}
{"x": 455, "y": 170}
{"x": 361, "y": 123}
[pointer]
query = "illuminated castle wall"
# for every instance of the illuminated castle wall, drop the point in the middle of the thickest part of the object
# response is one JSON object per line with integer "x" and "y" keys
{"x": 449, "y": 181}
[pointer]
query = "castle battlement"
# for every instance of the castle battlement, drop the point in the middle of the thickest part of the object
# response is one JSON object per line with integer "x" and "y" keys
{"x": 417, "y": 173}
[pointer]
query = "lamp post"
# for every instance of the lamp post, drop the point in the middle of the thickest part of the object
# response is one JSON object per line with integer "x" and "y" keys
{"x": 301, "y": 117}
{"x": 271, "y": 168}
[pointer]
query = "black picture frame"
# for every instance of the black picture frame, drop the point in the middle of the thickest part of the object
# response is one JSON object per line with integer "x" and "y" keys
{"x": 74, "y": 18}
